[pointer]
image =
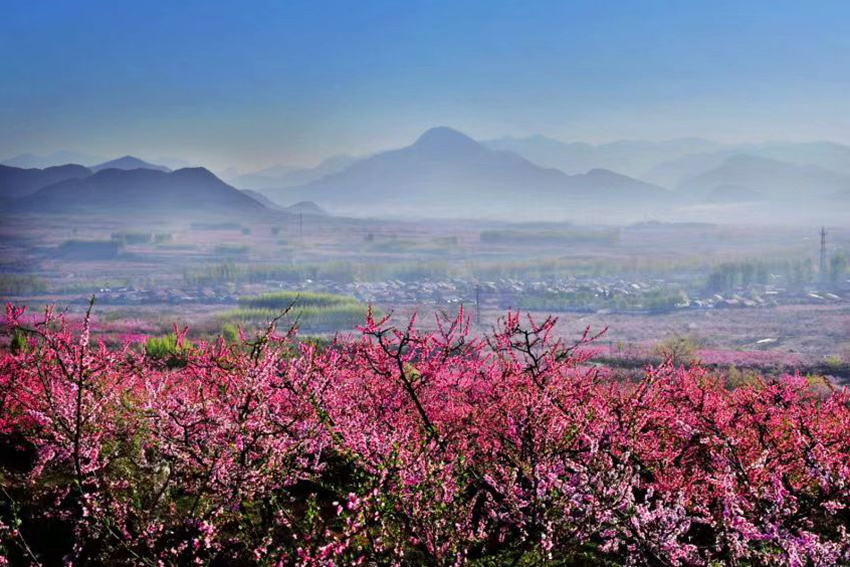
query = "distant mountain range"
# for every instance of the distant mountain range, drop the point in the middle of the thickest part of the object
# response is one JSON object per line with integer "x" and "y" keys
{"x": 767, "y": 178}
{"x": 76, "y": 189}
{"x": 446, "y": 172}
{"x": 629, "y": 157}
{"x": 698, "y": 171}
{"x": 17, "y": 182}
{"x": 669, "y": 163}
{"x": 95, "y": 163}
{"x": 824, "y": 155}
{"x": 32, "y": 161}
{"x": 282, "y": 176}
{"x": 185, "y": 191}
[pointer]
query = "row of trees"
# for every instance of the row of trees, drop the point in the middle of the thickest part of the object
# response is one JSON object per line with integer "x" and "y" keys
{"x": 731, "y": 275}
{"x": 404, "y": 447}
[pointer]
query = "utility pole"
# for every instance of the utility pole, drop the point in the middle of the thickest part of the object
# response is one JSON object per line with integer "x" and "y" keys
{"x": 823, "y": 274}
{"x": 478, "y": 303}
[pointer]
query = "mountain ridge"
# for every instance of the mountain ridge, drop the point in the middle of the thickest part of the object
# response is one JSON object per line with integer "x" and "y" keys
{"x": 185, "y": 191}
{"x": 16, "y": 182}
{"x": 771, "y": 178}
{"x": 446, "y": 172}
{"x": 127, "y": 163}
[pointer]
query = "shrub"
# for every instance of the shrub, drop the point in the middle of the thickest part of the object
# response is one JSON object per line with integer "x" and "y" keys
{"x": 170, "y": 349}
{"x": 404, "y": 447}
{"x": 230, "y": 332}
{"x": 678, "y": 349}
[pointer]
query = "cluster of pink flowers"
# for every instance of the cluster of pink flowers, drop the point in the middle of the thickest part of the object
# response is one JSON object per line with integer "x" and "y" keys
{"x": 404, "y": 447}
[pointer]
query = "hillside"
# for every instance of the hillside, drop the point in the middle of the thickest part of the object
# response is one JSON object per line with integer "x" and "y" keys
{"x": 262, "y": 199}
{"x": 629, "y": 157}
{"x": 185, "y": 191}
{"x": 282, "y": 176}
{"x": 16, "y": 182}
{"x": 773, "y": 179}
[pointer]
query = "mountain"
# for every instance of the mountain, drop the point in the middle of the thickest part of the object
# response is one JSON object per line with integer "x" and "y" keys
{"x": 446, "y": 173}
{"x": 828, "y": 155}
{"x": 669, "y": 163}
{"x": 272, "y": 177}
{"x": 281, "y": 176}
{"x": 62, "y": 157}
{"x": 173, "y": 163}
{"x": 138, "y": 191}
{"x": 775, "y": 180}
{"x": 262, "y": 199}
{"x": 616, "y": 186}
{"x": 307, "y": 208}
{"x": 16, "y": 182}
{"x": 127, "y": 163}
{"x": 630, "y": 157}
{"x": 671, "y": 173}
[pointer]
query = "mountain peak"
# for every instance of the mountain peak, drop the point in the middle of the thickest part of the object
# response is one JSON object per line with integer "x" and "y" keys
{"x": 189, "y": 190}
{"x": 443, "y": 137}
{"x": 128, "y": 162}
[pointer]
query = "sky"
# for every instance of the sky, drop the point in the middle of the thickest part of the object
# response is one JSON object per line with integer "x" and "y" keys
{"x": 252, "y": 84}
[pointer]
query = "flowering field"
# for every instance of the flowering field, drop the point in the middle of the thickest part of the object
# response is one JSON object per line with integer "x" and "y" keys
{"x": 403, "y": 447}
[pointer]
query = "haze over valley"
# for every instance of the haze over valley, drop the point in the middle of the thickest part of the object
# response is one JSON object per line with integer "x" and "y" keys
{"x": 446, "y": 174}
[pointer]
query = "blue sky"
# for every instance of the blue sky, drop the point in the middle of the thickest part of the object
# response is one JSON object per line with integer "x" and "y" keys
{"x": 251, "y": 84}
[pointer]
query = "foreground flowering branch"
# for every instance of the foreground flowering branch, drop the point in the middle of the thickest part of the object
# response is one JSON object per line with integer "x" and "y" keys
{"x": 405, "y": 447}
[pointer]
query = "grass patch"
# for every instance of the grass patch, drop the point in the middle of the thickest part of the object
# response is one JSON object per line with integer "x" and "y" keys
{"x": 315, "y": 312}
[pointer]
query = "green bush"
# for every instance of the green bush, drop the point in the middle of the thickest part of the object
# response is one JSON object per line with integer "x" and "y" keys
{"x": 230, "y": 332}
{"x": 679, "y": 349}
{"x": 166, "y": 349}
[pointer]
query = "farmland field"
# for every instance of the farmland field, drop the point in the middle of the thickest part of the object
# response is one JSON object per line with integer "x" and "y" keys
{"x": 645, "y": 282}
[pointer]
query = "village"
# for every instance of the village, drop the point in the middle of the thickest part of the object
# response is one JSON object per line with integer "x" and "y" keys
{"x": 571, "y": 294}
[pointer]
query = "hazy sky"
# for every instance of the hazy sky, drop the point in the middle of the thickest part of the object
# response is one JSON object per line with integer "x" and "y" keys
{"x": 251, "y": 84}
